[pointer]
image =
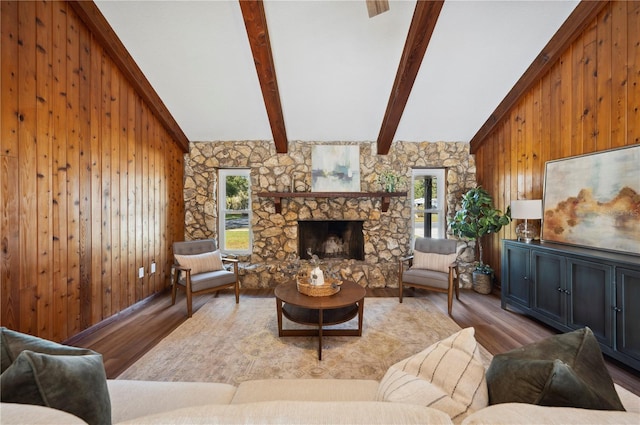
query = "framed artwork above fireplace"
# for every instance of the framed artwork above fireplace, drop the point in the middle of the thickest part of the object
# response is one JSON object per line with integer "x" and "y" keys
{"x": 594, "y": 200}
{"x": 335, "y": 168}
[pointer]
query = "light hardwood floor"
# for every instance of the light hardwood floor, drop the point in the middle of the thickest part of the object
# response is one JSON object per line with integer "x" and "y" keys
{"x": 125, "y": 338}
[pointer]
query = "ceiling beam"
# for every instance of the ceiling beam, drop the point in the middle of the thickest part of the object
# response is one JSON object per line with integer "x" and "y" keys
{"x": 376, "y": 7}
{"x": 100, "y": 29}
{"x": 423, "y": 23}
{"x": 255, "y": 22}
{"x": 584, "y": 13}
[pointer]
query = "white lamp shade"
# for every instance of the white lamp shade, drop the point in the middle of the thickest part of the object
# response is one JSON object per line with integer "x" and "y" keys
{"x": 528, "y": 209}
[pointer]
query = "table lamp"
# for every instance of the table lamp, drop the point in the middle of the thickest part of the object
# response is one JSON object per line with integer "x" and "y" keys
{"x": 527, "y": 210}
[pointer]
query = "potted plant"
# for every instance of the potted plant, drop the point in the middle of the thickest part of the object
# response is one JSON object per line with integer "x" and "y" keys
{"x": 477, "y": 218}
{"x": 390, "y": 180}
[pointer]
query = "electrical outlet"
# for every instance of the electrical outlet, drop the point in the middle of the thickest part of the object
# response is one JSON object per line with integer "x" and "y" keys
{"x": 153, "y": 268}
{"x": 141, "y": 272}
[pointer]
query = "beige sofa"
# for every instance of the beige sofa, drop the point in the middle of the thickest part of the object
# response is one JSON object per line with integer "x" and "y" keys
{"x": 445, "y": 383}
{"x": 308, "y": 401}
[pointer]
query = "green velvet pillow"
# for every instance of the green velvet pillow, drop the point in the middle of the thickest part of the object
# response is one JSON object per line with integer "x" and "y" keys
{"x": 564, "y": 370}
{"x": 40, "y": 372}
{"x": 12, "y": 343}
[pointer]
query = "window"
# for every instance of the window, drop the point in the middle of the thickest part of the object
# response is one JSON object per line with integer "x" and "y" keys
{"x": 428, "y": 194}
{"x": 235, "y": 211}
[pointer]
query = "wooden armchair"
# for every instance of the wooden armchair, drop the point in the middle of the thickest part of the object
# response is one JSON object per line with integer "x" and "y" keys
{"x": 199, "y": 268}
{"x": 432, "y": 266}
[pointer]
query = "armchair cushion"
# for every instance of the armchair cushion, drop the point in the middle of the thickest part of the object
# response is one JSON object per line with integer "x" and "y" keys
{"x": 448, "y": 376}
{"x": 210, "y": 280}
{"x": 432, "y": 261}
{"x": 426, "y": 277}
{"x": 201, "y": 263}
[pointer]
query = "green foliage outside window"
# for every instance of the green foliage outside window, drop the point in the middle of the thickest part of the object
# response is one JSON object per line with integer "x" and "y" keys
{"x": 237, "y": 192}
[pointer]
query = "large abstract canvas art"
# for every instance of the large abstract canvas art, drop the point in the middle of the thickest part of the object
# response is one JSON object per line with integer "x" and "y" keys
{"x": 594, "y": 200}
{"x": 335, "y": 168}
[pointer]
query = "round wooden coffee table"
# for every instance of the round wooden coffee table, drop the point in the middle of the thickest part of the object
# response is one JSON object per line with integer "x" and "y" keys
{"x": 320, "y": 311}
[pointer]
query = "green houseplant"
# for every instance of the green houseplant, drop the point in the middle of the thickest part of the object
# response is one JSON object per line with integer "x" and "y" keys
{"x": 390, "y": 180}
{"x": 477, "y": 218}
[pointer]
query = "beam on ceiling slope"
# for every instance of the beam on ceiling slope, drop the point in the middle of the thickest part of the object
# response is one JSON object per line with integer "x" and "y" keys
{"x": 255, "y": 22}
{"x": 107, "y": 38}
{"x": 376, "y": 7}
{"x": 584, "y": 13}
{"x": 423, "y": 23}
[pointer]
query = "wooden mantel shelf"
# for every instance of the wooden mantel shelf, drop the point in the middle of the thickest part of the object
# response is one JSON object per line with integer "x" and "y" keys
{"x": 384, "y": 196}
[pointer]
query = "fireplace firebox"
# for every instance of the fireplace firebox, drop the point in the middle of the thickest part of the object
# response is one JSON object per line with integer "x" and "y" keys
{"x": 341, "y": 239}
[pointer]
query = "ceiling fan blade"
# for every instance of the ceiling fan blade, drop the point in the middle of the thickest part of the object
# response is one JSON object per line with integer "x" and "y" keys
{"x": 376, "y": 7}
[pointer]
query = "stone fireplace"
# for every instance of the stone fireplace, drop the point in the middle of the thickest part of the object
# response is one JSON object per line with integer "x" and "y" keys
{"x": 385, "y": 232}
{"x": 336, "y": 239}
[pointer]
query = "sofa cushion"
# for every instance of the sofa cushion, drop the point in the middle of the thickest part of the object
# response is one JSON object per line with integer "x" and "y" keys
{"x": 133, "y": 399}
{"x": 48, "y": 374}
{"x": 306, "y": 390}
{"x": 300, "y": 412}
{"x": 527, "y": 414}
{"x": 201, "y": 263}
{"x": 14, "y": 414}
{"x": 448, "y": 376}
{"x": 431, "y": 261}
{"x": 630, "y": 401}
{"x": 563, "y": 370}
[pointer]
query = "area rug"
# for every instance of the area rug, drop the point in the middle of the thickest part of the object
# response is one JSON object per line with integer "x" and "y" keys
{"x": 231, "y": 343}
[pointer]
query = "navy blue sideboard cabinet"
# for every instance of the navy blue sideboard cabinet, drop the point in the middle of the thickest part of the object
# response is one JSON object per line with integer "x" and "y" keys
{"x": 571, "y": 287}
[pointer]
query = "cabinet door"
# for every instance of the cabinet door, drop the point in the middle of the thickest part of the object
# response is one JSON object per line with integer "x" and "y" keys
{"x": 591, "y": 298}
{"x": 628, "y": 302}
{"x": 549, "y": 296}
{"x": 515, "y": 275}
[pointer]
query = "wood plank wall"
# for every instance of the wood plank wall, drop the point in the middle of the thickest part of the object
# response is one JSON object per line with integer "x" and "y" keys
{"x": 91, "y": 182}
{"x": 588, "y": 102}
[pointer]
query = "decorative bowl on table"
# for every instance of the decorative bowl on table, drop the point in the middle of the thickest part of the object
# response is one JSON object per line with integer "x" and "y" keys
{"x": 329, "y": 287}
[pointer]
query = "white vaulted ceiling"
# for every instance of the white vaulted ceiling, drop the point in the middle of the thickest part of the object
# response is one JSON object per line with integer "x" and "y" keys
{"x": 334, "y": 65}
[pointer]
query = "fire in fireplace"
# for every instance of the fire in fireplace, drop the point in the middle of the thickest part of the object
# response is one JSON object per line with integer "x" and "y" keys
{"x": 342, "y": 239}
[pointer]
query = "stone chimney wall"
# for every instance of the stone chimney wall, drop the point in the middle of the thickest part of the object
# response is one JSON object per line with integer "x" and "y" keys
{"x": 387, "y": 234}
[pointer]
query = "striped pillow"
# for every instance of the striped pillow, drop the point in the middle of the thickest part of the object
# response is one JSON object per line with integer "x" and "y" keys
{"x": 432, "y": 261}
{"x": 448, "y": 376}
{"x": 201, "y": 263}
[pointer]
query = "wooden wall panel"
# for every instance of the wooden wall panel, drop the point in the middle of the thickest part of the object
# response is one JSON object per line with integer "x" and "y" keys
{"x": 44, "y": 204}
{"x": 92, "y": 294}
{"x": 104, "y": 180}
{"x": 144, "y": 149}
{"x": 122, "y": 199}
{"x": 588, "y": 101}
{"x": 9, "y": 178}
{"x": 27, "y": 157}
{"x": 88, "y": 195}
{"x": 60, "y": 212}
{"x": 81, "y": 119}
{"x": 132, "y": 280}
{"x": 78, "y": 169}
{"x": 139, "y": 194}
